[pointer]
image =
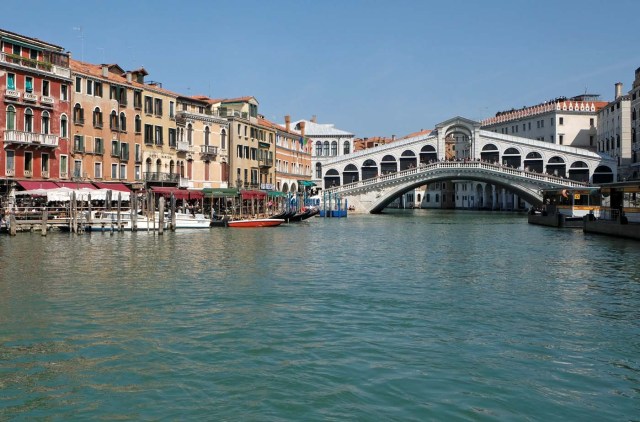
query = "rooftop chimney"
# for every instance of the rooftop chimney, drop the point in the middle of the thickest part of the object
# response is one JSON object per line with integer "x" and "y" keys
{"x": 105, "y": 70}
{"x": 313, "y": 118}
{"x": 287, "y": 122}
{"x": 302, "y": 125}
{"x": 129, "y": 77}
{"x": 618, "y": 90}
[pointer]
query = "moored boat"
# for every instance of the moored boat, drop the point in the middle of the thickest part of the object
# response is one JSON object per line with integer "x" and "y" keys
{"x": 256, "y": 222}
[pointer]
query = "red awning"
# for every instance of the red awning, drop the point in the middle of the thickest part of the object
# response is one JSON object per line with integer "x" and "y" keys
{"x": 76, "y": 185}
{"x": 112, "y": 186}
{"x": 253, "y": 194}
{"x": 37, "y": 184}
{"x": 177, "y": 193}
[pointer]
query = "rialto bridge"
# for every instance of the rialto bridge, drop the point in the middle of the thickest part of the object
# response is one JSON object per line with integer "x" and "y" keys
{"x": 458, "y": 150}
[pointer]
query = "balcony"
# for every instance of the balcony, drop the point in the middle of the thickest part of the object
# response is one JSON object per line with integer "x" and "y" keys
{"x": 30, "y": 96}
{"x": 64, "y": 174}
{"x": 10, "y": 172}
{"x": 12, "y": 93}
{"x": 28, "y": 173}
{"x": 184, "y": 146}
{"x": 161, "y": 177}
{"x": 124, "y": 155}
{"x": 265, "y": 162}
{"x": 45, "y": 174}
{"x": 43, "y": 67}
{"x": 46, "y": 100}
{"x": 30, "y": 139}
{"x": 208, "y": 150}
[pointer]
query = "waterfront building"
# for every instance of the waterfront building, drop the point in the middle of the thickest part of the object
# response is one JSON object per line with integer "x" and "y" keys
{"x": 614, "y": 131}
{"x": 293, "y": 158}
{"x": 251, "y": 148}
{"x": 635, "y": 126}
{"x": 202, "y": 143}
{"x": 561, "y": 121}
{"x": 106, "y": 130}
{"x": 326, "y": 142}
{"x": 35, "y": 88}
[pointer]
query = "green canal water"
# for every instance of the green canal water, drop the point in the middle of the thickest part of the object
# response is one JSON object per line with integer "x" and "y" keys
{"x": 411, "y": 316}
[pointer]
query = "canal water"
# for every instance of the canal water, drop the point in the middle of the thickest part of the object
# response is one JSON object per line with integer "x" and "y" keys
{"x": 412, "y": 315}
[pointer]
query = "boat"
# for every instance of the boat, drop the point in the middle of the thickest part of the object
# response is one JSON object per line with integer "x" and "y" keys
{"x": 106, "y": 221}
{"x": 566, "y": 208}
{"x": 220, "y": 221}
{"x": 256, "y": 222}
{"x": 190, "y": 221}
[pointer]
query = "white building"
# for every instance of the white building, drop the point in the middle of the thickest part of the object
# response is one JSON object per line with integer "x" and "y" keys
{"x": 614, "y": 131}
{"x": 635, "y": 126}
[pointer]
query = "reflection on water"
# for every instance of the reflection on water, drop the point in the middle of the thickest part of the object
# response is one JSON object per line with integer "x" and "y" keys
{"x": 409, "y": 316}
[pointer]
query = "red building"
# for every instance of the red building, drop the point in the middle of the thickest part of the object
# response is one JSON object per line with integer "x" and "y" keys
{"x": 35, "y": 91}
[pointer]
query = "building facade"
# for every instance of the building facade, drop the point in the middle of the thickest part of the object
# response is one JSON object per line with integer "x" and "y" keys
{"x": 635, "y": 126}
{"x": 35, "y": 87}
{"x": 293, "y": 158}
{"x": 614, "y": 131}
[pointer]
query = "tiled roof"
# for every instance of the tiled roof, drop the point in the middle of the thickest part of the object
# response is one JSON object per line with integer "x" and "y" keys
{"x": 312, "y": 129}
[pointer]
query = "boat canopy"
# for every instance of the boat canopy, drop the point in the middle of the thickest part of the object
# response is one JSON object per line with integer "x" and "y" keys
{"x": 253, "y": 194}
{"x": 181, "y": 194}
{"x": 220, "y": 192}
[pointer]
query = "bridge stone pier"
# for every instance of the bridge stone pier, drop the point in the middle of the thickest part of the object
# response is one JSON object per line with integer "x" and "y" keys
{"x": 458, "y": 150}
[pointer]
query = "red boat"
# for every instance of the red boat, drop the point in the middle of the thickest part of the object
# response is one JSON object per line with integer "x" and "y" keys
{"x": 256, "y": 222}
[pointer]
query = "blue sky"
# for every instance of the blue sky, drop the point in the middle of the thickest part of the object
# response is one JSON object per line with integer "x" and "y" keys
{"x": 373, "y": 68}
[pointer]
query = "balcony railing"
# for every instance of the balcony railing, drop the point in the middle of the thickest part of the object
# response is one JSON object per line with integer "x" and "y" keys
{"x": 208, "y": 149}
{"x": 183, "y": 146}
{"x": 161, "y": 177}
{"x": 46, "y": 100}
{"x": 45, "y": 174}
{"x": 64, "y": 72}
{"x": 28, "y": 173}
{"x": 30, "y": 138}
{"x": 10, "y": 172}
{"x": 265, "y": 162}
{"x": 12, "y": 93}
{"x": 64, "y": 174}
{"x": 30, "y": 96}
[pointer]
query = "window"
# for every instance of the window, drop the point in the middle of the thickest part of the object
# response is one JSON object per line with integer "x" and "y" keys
{"x": 45, "y": 88}
{"x": 64, "y": 166}
{"x": 158, "y": 107}
{"x": 123, "y": 171}
{"x": 326, "y": 149}
{"x": 78, "y": 143}
{"x": 561, "y": 121}
{"x": 346, "y": 148}
{"x": 114, "y": 171}
{"x": 77, "y": 168}
{"x": 115, "y": 148}
{"x": 11, "y": 162}
{"x": 148, "y": 105}
{"x": 206, "y": 135}
{"x": 63, "y": 126}
{"x": 64, "y": 93}
{"x": 319, "y": 149}
{"x": 137, "y": 99}
{"x": 98, "y": 146}
{"x": 97, "y": 89}
{"x": 78, "y": 114}
{"x": 138, "y": 124}
{"x": 45, "y": 127}
{"x": 123, "y": 122}
{"x": 591, "y": 122}
{"x": 190, "y": 134}
{"x": 11, "y": 118}
{"x": 78, "y": 84}
{"x": 89, "y": 87}
{"x": 223, "y": 139}
{"x": 239, "y": 151}
{"x": 28, "y": 163}
{"x": 172, "y": 137}
{"x": 28, "y": 120}
{"x": 148, "y": 134}
{"x": 97, "y": 118}
{"x": 158, "y": 135}
{"x": 551, "y": 121}
{"x": 33, "y": 54}
{"x": 334, "y": 148}
{"x": 113, "y": 120}
{"x": 28, "y": 84}
{"x": 17, "y": 50}
{"x": 138, "y": 152}
{"x": 171, "y": 109}
{"x": 136, "y": 172}
{"x": 97, "y": 170}
{"x": 11, "y": 81}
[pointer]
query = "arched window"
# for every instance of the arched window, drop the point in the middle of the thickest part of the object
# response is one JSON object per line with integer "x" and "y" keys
{"x": 206, "y": 135}
{"x": 113, "y": 120}
{"x": 334, "y": 148}
{"x": 148, "y": 166}
{"x": 171, "y": 167}
{"x": 190, "y": 134}
{"x": 97, "y": 117}
{"x": 28, "y": 120}
{"x": 123, "y": 122}
{"x": 318, "y": 171}
{"x": 326, "y": 149}
{"x": 158, "y": 166}
{"x": 45, "y": 123}
{"x": 78, "y": 114}
{"x": 346, "y": 148}
{"x": 11, "y": 118}
{"x": 318, "y": 149}
{"x": 223, "y": 139}
{"x": 64, "y": 128}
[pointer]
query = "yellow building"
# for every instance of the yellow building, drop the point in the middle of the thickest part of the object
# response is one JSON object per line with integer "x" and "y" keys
{"x": 202, "y": 138}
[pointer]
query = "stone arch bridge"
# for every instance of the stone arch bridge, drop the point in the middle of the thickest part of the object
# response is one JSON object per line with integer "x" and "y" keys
{"x": 458, "y": 150}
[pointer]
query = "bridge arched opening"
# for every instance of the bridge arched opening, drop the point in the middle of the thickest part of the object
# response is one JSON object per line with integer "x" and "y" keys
{"x": 369, "y": 170}
{"x": 490, "y": 154}
{"x": 602, "y": 174}
{"x": 331, "y": 178}
{"x": 512, "y": 158}
{"x": 388, "y": 164}
{"x": 556, "y": 166}
{"x": 407, "y": 160}
{"x": 534, "y": 162}
{"x": 579, "y": 171}
{"x": 350, "y": 174}
{"x": 428, "y": 154}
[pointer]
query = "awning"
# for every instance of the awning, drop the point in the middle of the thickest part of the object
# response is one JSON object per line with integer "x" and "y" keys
{"x": 220, "y": 192}
{"x": 76, "y": 185}
{"x": 275, "y": 193}
{"x": 177, "y": 193}
{"x": 253, "y": 194}
{"x": 112, "y": 186}
{"x": 37, "y": 184}
{"x": 306, "y": 183}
